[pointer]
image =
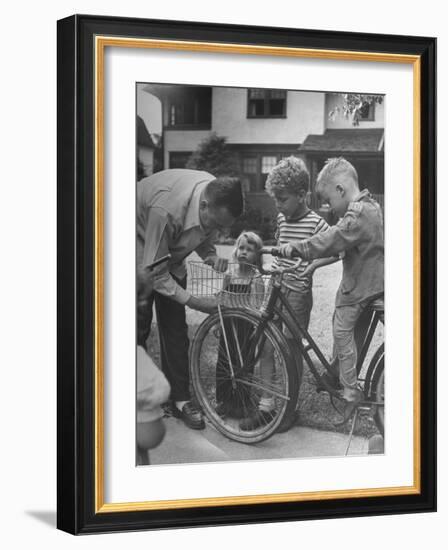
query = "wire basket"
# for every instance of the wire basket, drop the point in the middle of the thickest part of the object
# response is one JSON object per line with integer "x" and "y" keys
{"x": 230, "y": 289}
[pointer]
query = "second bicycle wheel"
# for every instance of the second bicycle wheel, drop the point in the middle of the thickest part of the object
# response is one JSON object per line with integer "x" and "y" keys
{"x": 235, "y": 367}
{"x": 375, "y": 387}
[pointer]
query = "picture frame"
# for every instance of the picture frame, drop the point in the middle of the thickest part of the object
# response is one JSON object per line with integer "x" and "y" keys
{"x": 82, "y": 42}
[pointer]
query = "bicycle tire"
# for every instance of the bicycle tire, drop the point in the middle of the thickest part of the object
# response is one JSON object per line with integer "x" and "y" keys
{"x": 207, "y": 366}
{"x": 375, "y": 381}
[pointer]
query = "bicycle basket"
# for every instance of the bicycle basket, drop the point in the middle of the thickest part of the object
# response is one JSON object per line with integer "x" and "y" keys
{"x": 231, "y": 288}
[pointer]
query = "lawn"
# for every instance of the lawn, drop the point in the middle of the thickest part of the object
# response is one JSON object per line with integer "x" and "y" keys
{"x": 315, "y": 410}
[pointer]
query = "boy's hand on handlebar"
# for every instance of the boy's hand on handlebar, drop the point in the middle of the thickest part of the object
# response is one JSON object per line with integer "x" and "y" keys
{"x": 288, "y": 251}
{"x": 206, "y": 305}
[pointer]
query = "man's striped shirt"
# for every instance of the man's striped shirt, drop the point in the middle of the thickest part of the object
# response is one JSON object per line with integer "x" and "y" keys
{"x": 297, "y": 230}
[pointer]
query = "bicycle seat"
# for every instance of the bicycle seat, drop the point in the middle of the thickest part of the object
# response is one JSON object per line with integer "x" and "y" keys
{"x": 377, "y": 304}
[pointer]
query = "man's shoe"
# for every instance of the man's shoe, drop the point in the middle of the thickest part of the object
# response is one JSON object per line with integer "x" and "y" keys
{"x": 257, "y": 420}
{"x": 190, "y": 415}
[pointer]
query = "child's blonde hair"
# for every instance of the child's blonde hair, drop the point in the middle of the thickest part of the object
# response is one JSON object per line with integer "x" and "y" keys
{"x": 253, "y": 239}
{"x": 335, "y": 167}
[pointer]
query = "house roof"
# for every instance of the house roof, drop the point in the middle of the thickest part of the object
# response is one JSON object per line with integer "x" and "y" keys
{"x": 347, "y": 140}
{"x": 144, "y": 138}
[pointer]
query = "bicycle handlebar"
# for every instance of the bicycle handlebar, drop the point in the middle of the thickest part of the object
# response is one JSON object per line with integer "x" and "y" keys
{"x": 270, "y": 250}
{"x": 275, "y": 251}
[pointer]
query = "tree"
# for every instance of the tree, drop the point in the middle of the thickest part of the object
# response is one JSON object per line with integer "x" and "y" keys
{"x": 354, "y": 105}
{"x": 213, "y": 155}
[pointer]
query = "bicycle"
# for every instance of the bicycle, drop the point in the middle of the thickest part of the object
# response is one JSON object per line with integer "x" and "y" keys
{"x": 229, "y": 346}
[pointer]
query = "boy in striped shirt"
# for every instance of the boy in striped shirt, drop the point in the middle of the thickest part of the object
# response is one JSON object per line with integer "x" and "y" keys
{"x": 288, "y": 184}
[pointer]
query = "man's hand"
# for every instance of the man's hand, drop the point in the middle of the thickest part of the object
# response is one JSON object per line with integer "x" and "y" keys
{"x": 218, "y": 264}
{"x": 206, "y": 305}
{"x": 145, "y": 280}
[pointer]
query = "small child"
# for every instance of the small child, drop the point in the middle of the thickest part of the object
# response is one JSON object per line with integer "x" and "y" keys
{"x": 288, "y": 184}
{"x": 359, "y": 235}
{"x": 243, "y": 275}
{"x": 242, "y": 278}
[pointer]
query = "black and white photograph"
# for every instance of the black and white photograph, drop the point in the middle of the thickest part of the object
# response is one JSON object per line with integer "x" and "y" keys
{"x": 259, "y": 274}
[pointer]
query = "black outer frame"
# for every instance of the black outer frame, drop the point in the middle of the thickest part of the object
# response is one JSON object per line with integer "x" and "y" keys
{"x": 75, "y": 403}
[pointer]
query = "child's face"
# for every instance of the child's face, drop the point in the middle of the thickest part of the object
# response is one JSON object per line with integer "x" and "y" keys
{"x": 288, "y": 203}
{"x": 336, "y": 196}
{"x": 246, "y": 252}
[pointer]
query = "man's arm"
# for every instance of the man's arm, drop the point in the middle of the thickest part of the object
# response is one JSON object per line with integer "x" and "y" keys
{"x": 157, "y": 236}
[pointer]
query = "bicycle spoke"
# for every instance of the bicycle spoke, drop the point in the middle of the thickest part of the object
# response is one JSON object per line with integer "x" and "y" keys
{"x": 264, "y": 387}
{"x": 232, "y": 370}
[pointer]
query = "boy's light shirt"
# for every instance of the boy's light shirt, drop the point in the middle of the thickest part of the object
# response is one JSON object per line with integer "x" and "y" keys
{"x": 288, "y": 230}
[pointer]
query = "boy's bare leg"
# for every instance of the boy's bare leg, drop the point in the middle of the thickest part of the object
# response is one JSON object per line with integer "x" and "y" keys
{"x": 263, "y": 413}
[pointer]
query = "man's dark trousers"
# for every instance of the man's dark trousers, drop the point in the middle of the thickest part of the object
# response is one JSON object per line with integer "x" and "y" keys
{"x": 173, "y": 335}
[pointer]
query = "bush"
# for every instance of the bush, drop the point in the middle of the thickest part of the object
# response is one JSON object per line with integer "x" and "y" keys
{"x": 213, "y": 155}
{"x": 254, "y": 219}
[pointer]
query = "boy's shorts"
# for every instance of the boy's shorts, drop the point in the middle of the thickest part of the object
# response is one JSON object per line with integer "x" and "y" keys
{"x": 300, "y": 299}
{"x": 153, "y": 388}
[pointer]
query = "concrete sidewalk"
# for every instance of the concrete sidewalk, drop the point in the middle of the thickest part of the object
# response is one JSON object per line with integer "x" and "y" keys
{"x": 182, "y": 445}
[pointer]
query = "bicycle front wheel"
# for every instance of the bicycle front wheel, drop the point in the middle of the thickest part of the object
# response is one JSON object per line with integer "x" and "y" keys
{"x": 234, "y": 367}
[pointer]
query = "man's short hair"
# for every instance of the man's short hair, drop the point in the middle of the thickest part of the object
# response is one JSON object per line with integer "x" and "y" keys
{"x": 291, "y": 175}
{"x": 226, "y": 191}
{"x": 335, "y": 167}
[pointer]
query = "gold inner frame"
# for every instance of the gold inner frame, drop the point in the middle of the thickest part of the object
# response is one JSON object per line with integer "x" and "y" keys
{"x": 101, "y": 42}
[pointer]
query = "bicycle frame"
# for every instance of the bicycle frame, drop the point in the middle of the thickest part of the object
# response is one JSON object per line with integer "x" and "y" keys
{"x": 299, "y": 333}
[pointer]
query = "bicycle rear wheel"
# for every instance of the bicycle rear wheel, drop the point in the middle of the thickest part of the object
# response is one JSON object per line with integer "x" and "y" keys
{"x": 375, "y": 384}
{"x": 230, "y": 375}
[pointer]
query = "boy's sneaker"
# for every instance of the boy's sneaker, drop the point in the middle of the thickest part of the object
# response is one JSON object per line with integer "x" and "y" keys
{"x": 350, "y": 405}
{"x": 224, "y": 409}
{"x": 257, "y": 420}
{"x": 332, "y": 381}
{"x": 190, "y": 415}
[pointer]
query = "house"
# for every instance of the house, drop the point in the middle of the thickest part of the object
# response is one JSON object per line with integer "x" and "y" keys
{"x": 264, "y": 125}
{"x": 145, "y": 149}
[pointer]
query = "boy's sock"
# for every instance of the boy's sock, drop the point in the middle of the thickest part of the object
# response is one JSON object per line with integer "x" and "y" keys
{"x": 180, "y": 404}
{"x": 266, "y": 404}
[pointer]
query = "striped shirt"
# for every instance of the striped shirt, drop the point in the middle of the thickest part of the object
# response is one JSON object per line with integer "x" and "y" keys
{"x": 296, "y": 230}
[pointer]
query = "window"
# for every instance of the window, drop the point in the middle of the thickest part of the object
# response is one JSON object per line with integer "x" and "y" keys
{"x": 179, "y": 159}
{"x": 191, "y": 107}
{"x": 250, "y": 165}
{"x": 250, "y": 172}
{"x": 267, "y": 164}
{"x": 256, "y": 166}
{"x": 266, "y": 103}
